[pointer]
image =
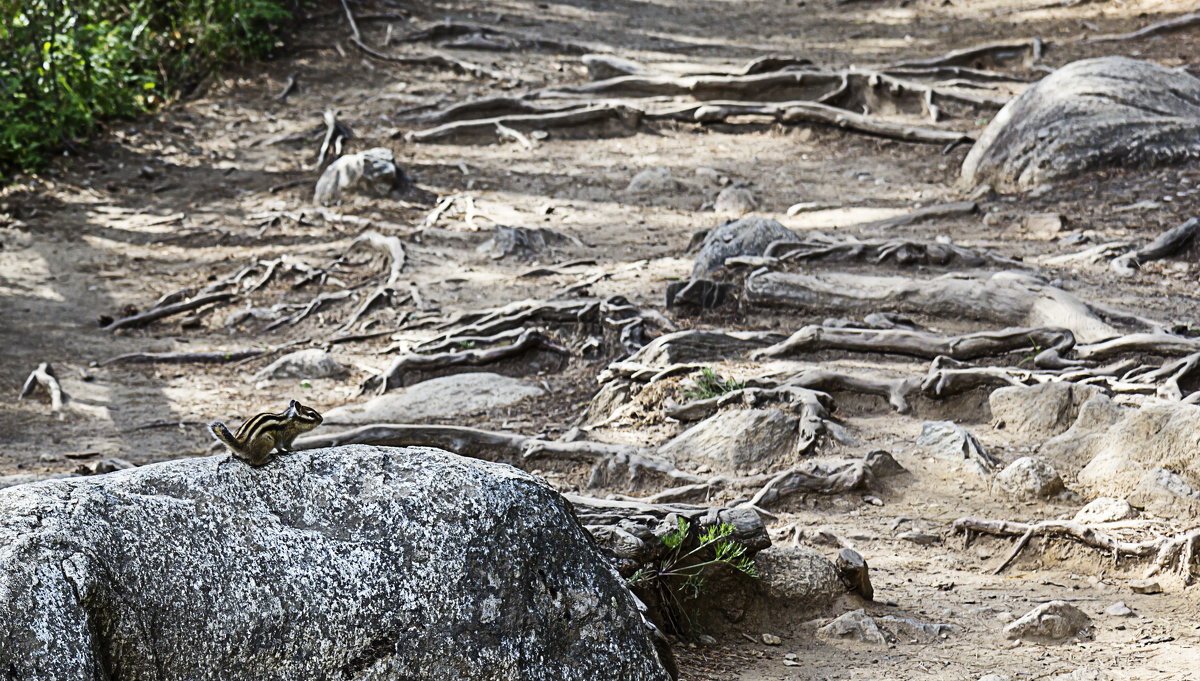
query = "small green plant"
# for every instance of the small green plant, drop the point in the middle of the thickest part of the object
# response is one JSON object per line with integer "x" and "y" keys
{"x": 709, "y": 384}
{"x": 679, "y": 574}
{"x": 466, "y": 345}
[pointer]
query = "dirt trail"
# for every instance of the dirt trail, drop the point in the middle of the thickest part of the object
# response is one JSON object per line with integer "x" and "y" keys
{"x": 166, "y": 202}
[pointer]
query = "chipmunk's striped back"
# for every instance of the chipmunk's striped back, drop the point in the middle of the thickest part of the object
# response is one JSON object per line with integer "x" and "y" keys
{"x": 261, "y": 434}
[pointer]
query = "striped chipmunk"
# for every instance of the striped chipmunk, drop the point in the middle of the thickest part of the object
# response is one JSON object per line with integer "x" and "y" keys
{"x": 258, "y": 436}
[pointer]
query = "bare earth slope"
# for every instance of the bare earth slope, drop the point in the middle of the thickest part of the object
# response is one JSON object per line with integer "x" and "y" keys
{"x": 182, "y": 199}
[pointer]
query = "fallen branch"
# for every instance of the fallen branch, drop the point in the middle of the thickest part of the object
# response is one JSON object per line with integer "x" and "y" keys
{"x": 155, "y": 314}
{"x": 901, "y": 251}
{"x": 425, "y": 60}
{"x": 926, "y": 214}
{"x": 43, "y": 376}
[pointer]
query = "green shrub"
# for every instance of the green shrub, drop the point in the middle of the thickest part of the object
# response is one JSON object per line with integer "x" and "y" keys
{"x": 66, "y": 63}
{"x": 710, "y": 384}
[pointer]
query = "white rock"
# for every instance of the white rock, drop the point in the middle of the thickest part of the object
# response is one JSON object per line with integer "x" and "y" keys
{"x": 1029, "y": 477}
{"x": 1119, "y": 609}
{"x": 951, "y": 442}
{"x": 1105, "y": 510}
{"x": 653, "y": 181}
{"x": 1049, "y": 622}
{"x": 735, "y": 201}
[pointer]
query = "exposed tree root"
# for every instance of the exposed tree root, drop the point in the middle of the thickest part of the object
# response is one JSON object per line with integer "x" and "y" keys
{"x": 901, "y": 251}
{"x": 480, "y": 37}
{"x": 441, "y": 60}
{"x": 156, "y": 313}
{"x": 585, "y": 115}
{"x": 1005, "y": 298}
{"x": 1051, "y": 344}
{"x": 210, "y": 357}
{"x": 1166, "y": 550}
{"x": 1170, "y": 242}
{"x": 394, "y": 375}
{"x": 1169, "y": 26}
{"x": 43, "y": 376}
{"x": 1024, "y": 53}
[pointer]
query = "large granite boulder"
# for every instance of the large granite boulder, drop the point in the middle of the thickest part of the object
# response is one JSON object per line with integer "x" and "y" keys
{"x": 346, "y": 563}
{"x": 1095, "y": 113}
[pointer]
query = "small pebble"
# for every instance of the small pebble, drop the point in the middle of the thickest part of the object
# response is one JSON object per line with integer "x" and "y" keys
{"x": 1145, "y": 586}
{"x": 771, "y": 639}
{"x": 1118, "y": 609}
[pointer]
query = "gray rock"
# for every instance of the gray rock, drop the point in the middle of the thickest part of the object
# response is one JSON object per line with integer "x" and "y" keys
{"x": 653, "y": 181}
{"x": 922, "y": 538}
{"x": 1029, "y": 477}
{"x": 951, "y": 442}
{"x": 1165, "y": 493}
{"x": 736, "y": 200}
{"x": 438, "y": 398}
{"x": 1049, "y": 623}
{"x": 1118, "y": 609}
{"x": 854, "y": 625}
{"x": 1042, "y": 410}
{"x": 798, "y": 579}
{"x": 1105, "y": 510}
{"x": 750, "y": 236}
{"x": 1090, "y": 114}
{"x": 736, "y": 440}
{"x": 372, "y": 172}
{"x": 353, "y": 562}
{"x": 311, "y": 363}
{"x": 522, "y": 242}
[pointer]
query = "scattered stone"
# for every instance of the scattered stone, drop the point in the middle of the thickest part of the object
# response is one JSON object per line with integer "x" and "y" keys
{"x": 854, "y": 625}
{"x": 712, "y": 176}
{"x": 438, "y": 398}
{"x": 736, "y": 200}
{"x": 922, "y": 538}
{"x": 1144, "y": 586}
{"x": 311, "y": 363}
{"x": 1004, "y": 617}
{"x": 1083, "y": 674}
{"x": 102, "y": 466}
{"x": 855, "y": 573}
{"x": 1029, "y": 477}
{"x": 1042, "y": 410}
{"x": 883, "y": 464}
{"x": 908, "y": 630}
{"x": 210, "y": 555}
{"x": 798, "y": 578}
{"x": 653, "y": 181}
{"x": 1119, "y": 609}
{"x": 1105, "y": 510}
{"x": 1090, "y": 114}
{"x": 949, "y": 441}
{"x": 1044, "y": 226}
{"x": 707, "y": 640}
{"x": 749, "y": 236}
{"x": 372, "y": 172}
{"x": 522, "y": 242}
{"x": 771, "y": 639}
{"x": 1049, "y": 622}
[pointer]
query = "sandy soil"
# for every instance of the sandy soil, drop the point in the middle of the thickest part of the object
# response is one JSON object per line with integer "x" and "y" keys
{"x": 167, "y": 202}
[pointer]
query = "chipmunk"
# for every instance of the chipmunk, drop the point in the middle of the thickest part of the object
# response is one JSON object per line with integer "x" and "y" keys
{"x": 261, "y": 434}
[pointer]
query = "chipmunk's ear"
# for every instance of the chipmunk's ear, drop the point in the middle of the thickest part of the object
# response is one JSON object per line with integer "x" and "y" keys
{"x": 293, "y": 406}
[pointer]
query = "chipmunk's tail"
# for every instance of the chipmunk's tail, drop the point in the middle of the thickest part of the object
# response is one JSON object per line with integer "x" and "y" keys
{"x": 222, "y": 433}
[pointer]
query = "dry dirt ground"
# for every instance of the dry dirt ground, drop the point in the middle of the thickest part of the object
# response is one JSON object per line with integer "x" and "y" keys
{"x": 167, "y": 202}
